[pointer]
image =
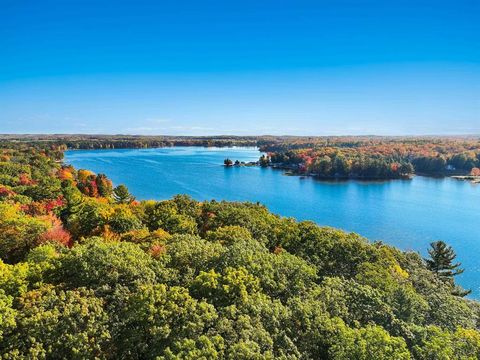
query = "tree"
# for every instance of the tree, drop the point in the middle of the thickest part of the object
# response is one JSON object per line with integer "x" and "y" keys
{"x": 105, "y": 266}
{"x": 164, "y": 215}
{"x": 7, "y": 315}
{"x": 187, "y": 206}
{"x": 441, "y": 258}
{"x": 406, "y": 168}
{"x": 89, "y": 220}
{"x": 369, "y": 343}
{"x": 53, "y": 323}
{"x": 191, "y": 254}
{"x": 18, "y": 232}
{"x": 264, "y": 161}
{"x": 104, "y": 185}
{"x": 73, "y": 201}
{"x": 121, "y": 195}
{"x": 123, "y": 220}
{"x": 340, "y": 166}
{"x": 157, "y": 316}
{"x": 233, "y": 286}
{"x": 475, "y": 171}
{"x": 323, "y": 165}
{"x": 56, "y": 234}
{"x": 441, "y": 263}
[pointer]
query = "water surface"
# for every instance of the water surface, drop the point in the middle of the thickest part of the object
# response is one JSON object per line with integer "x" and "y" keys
{"x": 407, "y": 214}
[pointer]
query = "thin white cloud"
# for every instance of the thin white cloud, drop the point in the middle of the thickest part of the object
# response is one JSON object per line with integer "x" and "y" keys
{"x": 157, "y": 121}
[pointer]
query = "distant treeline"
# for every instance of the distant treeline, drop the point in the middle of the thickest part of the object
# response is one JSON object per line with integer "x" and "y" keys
{"x": 365, "y": 157}
{"x": 376, "y": 158}
{"x": 129, "y": 141}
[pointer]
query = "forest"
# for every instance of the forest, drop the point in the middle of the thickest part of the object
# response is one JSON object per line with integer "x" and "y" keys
{"x": 376, "y": 158}
{"x": 329, "y": 157}
{"x": 87, "y": 271}
{"x": 130, "y": 141}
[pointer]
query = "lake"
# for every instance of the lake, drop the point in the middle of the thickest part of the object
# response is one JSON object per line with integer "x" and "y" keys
{"x": 406, "y": 213}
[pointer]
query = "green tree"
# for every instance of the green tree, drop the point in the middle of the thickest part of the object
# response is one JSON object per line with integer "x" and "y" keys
{"x": 340, "y": 166}
{"x": 123, "y": 220}
{"x": 189, "y": 255}
{"x": 441, "y": 262}
{"x": 204, "y": 348}
{"x": 53, "y": 323}
{"x": 406, "y": 168}
{"x": 369, "y": 343}
{"x": 106, "y": 266}
{"x": 121, "y": 195}
{"x": 158, "y": 316}
{"x": 73, "y": 198}
{"x": 165, "y": 215}
{"x": 89, "y": 219}
{"x": 104, "y": 185}
{"x": 18, "y": 232}
{"x": 264, "y": 161}
{"x": 233, "y": 286}
{"x": 7, "y": 316}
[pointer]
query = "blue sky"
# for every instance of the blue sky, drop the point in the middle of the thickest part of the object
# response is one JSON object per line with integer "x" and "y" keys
{"x": 240, "y": 67}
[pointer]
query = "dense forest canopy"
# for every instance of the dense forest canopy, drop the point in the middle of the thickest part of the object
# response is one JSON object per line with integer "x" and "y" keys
{"x": 377, "y": 158}
{"x": 130, "y": 141}
{"x": 87, "y": 271}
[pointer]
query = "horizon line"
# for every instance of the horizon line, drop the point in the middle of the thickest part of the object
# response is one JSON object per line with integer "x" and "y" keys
{"x": 243, "y": 136}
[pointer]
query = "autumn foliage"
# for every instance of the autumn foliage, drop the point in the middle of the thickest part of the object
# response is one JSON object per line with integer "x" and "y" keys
{"x": 5, "y": 191}
{"x": 475, "y": 171}
{"x": 56, "y": 234}
{"x": 374, "y": 157}
{"x": 66, "y": 173}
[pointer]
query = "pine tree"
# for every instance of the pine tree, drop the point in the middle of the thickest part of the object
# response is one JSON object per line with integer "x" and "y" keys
{"x": 264, "y": 161}
{"x": 73, "y": 199}
{"x": 441, "y": 260}
{"x": 441, "y": 263}
{"x": 121, "y": 195}
{"x": 104, "y": 185}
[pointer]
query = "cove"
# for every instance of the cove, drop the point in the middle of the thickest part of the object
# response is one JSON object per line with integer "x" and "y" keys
{"x": 408, "y": 214}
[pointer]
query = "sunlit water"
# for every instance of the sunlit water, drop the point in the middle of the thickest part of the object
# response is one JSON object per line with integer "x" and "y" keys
{"x": 407, "y": 214}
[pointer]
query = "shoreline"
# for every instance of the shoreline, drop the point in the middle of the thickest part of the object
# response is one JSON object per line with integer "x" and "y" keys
{"x": 289, "y": 170}
{"x": 471, "y": 178}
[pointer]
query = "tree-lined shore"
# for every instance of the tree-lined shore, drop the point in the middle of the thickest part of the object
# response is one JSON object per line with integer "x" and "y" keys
{"x": 328, "y": 157}
{"x": 376, "y": 158}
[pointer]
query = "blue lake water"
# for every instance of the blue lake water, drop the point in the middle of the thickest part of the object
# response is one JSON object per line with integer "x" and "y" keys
{"x": 407, "y": 214}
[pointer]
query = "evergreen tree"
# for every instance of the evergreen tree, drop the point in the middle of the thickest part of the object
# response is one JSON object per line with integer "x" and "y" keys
{"x": 121, "y": 195}
{"x": 73, "y": 198}
{"x": 441, "y": 260}
{"x": 406, "y": 168}
{"x": 441, "y": 263}
{"x": 264, "y": 161}
{"x": 104, "y": 185}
